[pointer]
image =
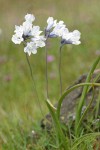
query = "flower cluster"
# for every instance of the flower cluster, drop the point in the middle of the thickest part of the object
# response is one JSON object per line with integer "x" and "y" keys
{"x": 29, "y": 35}
{"x": 58, "y": 29}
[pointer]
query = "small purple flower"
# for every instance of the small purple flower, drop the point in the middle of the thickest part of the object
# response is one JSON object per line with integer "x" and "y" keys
{"x": 50, "y": 58}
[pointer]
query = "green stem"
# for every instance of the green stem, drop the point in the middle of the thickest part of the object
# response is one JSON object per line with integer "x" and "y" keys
{"x": 70, "y": 90}
{"x": 60, "y": 78}
{"x": 46, "y": 69}
{"x": 34, "y": 84}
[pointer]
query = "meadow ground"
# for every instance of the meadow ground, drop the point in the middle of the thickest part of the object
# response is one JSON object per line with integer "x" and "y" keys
{"x": 19, "y": 108}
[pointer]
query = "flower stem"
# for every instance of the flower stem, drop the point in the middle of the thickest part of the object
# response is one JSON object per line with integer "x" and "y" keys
{"x": 34, "y": 84}
{"x": 46, "y": 69}
{"x": 60, "y": 78}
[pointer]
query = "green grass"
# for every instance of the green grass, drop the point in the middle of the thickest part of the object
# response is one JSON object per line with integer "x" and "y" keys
{"x": 19, "y": 108}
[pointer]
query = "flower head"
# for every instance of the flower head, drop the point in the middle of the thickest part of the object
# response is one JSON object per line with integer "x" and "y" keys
{"x": 71, "y": 37}
{"x": 54, "y": 28}
{"x": 29, "y": 34}
{"x": 58, "y": 29}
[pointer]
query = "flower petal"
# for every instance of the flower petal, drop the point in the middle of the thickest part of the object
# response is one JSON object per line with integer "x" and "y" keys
{"x": 29, "y": 18}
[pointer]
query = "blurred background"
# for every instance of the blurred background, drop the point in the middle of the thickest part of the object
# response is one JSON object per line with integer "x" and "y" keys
{"x": 18, "y": 101}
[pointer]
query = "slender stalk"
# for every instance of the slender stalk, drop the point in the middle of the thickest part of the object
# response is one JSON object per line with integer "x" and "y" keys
{"x": 60, "y": 78}
{"x": 46, "y": 69}
{"x": 34, "y": 83}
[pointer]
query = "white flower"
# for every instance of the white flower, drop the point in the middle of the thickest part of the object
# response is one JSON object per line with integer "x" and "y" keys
{"x": 58, "y": 30}
{"x": 18, "y": 30}
{"x": 29, "y": 18}
{"x": 29, "y": 34}
{"x": 51, "y": 23}
{"x": 71, "y": 37}
{"x": 36, "y": 42}
{"x": 17, "y": 39}
{"x": 39, "y": 41}
{"x": 36, "y": 31}
{"x": 27, "y": 28}
{"x": 30, "y": 48}
{"x": 24, "y": 31}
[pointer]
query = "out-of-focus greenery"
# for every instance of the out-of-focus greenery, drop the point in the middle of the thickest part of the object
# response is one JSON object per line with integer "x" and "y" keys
{"x": 18, "y": 101}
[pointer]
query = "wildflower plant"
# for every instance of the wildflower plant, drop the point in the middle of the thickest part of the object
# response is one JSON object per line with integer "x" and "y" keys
{"x": 31, "y": 37}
